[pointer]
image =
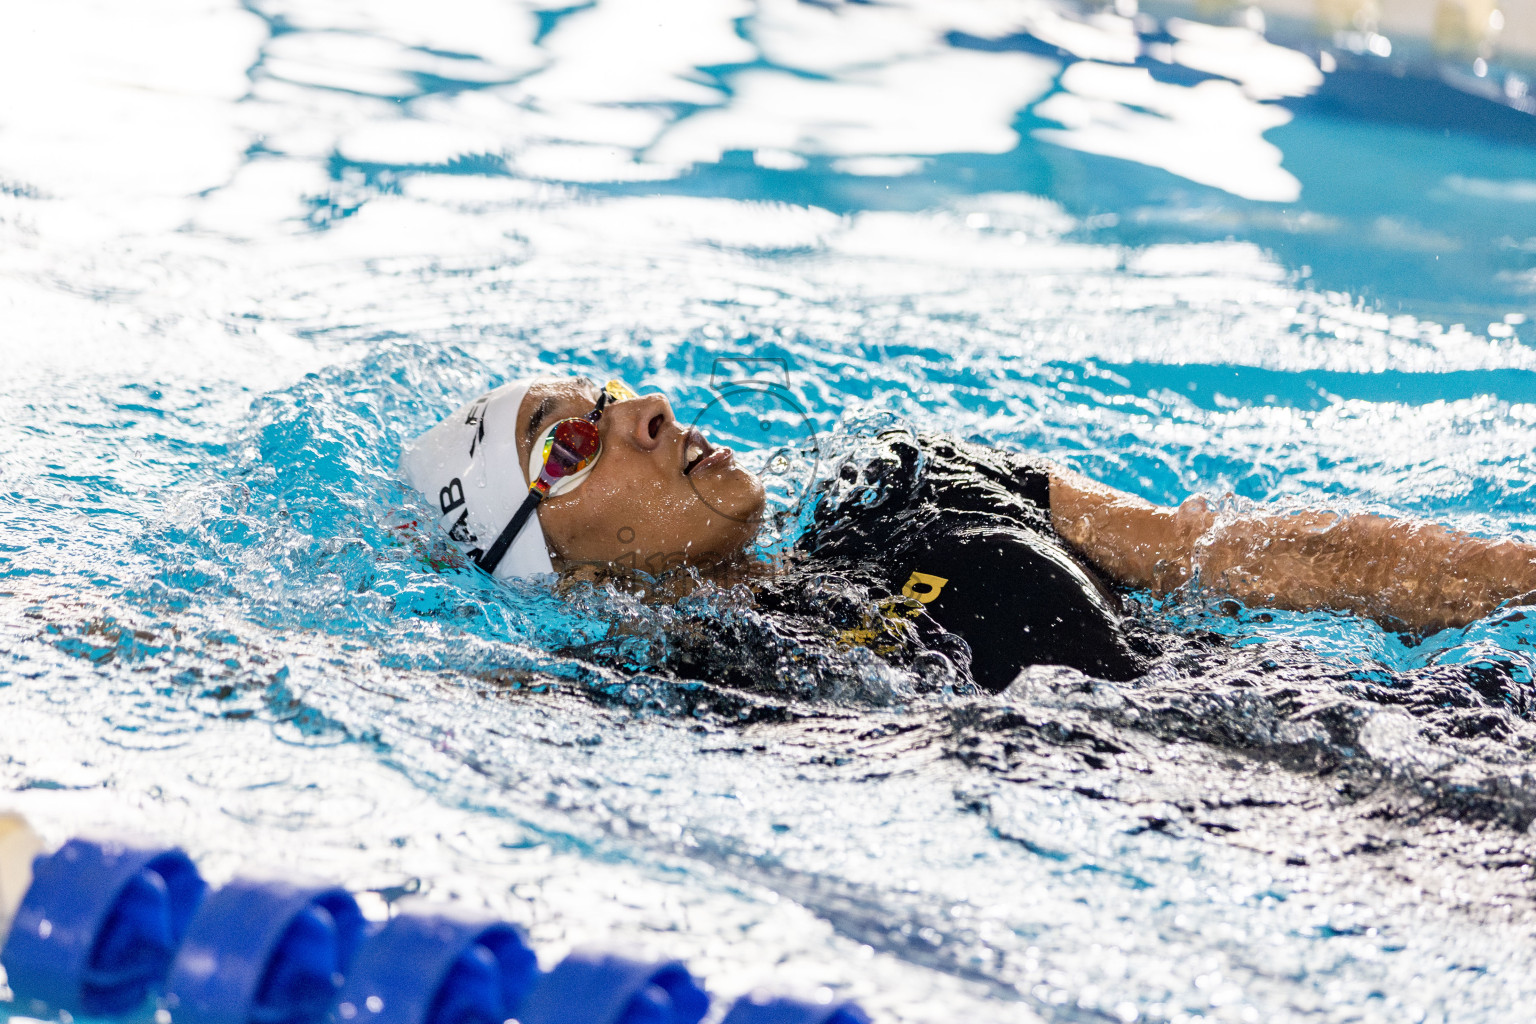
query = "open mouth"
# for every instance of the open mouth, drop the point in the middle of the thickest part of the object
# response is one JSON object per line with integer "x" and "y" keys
{"x": 695, "y": 450}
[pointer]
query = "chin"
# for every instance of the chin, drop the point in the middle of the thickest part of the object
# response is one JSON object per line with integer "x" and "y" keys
{"x": 738, "y": 495}
{"x": 750, "y": 507}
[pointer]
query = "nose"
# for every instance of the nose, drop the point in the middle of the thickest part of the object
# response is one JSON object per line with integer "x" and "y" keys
{"x": 643, "y": 420}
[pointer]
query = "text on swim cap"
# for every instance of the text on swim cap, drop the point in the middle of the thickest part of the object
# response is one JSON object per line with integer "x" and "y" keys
{"x": 450, "y": 498}
{"x": 476, "y": 420}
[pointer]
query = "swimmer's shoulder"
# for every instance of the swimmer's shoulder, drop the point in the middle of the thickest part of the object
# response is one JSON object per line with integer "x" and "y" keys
{"x": 979, "y": 477}
{"x": 902, "y": 484}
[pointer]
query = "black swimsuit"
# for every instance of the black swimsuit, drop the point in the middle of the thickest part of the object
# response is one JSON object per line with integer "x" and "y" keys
{"x": 964, "y": 531}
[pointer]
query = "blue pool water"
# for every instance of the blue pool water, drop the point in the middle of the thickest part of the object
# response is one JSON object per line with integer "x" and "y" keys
{"x": 249, "y": 250}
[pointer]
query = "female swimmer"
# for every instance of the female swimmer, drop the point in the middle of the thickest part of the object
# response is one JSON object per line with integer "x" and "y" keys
{"x": 950, "y": 539}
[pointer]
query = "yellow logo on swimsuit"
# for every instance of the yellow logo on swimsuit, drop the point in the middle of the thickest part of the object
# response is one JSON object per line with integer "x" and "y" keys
{"x": 886, "y": 627}
{"x": 933, "y": 585}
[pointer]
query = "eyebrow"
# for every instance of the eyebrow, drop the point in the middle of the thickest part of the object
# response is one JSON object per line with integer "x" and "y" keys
{"x": 542, "y": 410}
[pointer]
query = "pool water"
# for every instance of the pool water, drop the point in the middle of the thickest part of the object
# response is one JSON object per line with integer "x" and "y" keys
{"x": 248, "y": 250}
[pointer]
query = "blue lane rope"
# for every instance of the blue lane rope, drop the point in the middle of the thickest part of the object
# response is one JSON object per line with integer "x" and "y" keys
{"x": 461, "y": 972}
{"x": 771, "y": 1010}
{"x": 98, "y": 927}
{"x": 587, "y": 988}
{"x": 264, "y": 953}
{"x": 105, "y": 925}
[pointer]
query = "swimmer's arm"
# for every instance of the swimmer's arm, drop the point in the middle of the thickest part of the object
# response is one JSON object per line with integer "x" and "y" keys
{"x": 1128, "y": 538}
{"x": 1400, "y": 572}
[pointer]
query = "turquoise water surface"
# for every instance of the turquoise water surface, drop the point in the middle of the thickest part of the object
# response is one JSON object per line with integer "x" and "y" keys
{"x": 249, "y": 250}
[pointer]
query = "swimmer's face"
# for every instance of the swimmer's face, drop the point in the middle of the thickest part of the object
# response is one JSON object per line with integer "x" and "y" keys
{"x": 651, "y": 502}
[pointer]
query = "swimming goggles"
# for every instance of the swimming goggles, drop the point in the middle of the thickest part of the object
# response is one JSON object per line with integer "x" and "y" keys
{"x": 564, "y": 454}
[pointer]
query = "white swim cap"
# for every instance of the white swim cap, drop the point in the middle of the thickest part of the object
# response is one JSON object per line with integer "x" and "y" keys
{"x": 468, "y": 467}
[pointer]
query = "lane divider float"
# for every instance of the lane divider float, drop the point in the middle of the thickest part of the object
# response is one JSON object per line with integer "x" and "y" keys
{"x": 587, "y": 988}
{"x": 462, "y": 971}
{"x": 264, "y": 952}
{"x": 99, "y": 927}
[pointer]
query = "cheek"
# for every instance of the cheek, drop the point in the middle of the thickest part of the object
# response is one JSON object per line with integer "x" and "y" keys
{"x": 609, "y": 521}
{"x": 607, "y": 524}
{"x": 631, "y": 515}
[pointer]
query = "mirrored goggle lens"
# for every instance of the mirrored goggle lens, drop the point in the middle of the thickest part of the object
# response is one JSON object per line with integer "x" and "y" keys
{"x": 573, "y": 444}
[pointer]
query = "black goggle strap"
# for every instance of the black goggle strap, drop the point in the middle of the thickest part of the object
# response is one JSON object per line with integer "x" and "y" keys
{"x": 498, "y": 549}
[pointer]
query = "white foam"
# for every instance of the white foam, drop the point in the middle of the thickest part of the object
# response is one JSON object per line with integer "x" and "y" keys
{"x": 1104, "y": 36}
{"x": 779, "y": 160}
{"x": 1515, "y": 190}
{"x": 879, "y": 166}
{"x": 944, "y": 102}
{"x": 638, "y": 51}
{"x": 1264, "y": 70}
{"x": 1211, "y": 133}
{"x": 490, "y": 31}
{"x": 135, "y": 108}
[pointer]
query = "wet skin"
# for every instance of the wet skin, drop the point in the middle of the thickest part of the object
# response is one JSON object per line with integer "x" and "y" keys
{"x": 640, "y": 506}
